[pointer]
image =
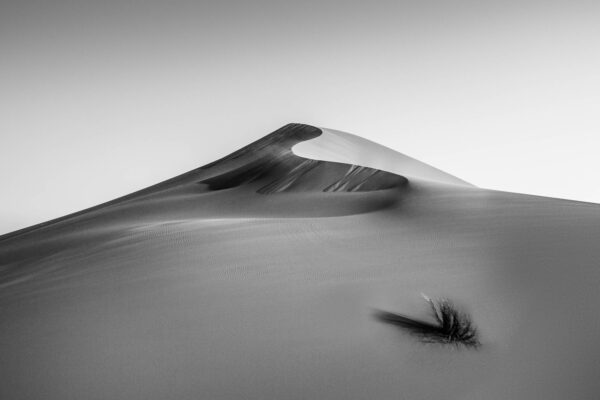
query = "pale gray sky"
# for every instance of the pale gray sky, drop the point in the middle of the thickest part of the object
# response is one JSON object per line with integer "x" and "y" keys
{"x": 99, "y": 99}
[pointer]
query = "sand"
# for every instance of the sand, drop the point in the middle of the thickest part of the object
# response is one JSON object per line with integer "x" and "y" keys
{"x": 256, "y": 277}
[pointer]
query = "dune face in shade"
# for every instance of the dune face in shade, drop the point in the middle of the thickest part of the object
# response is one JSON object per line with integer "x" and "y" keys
{"x": 257, "y": 276}
{"x": 270, "y": 164}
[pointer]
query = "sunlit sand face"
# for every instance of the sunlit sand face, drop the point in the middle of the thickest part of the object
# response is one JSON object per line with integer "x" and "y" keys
{"x": 183, "y": 292}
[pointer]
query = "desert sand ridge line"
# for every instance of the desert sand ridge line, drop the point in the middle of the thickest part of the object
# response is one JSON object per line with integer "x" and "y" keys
{"x": 271, "y": 163}
{"x": 338, "y": 146}
{"x": 245, "y": 165}
{"x": 273, "y": 167}
{"x": 156, "y": 187}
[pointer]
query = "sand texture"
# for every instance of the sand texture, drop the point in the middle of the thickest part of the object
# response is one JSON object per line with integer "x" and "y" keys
{"x": 257, "y": 277}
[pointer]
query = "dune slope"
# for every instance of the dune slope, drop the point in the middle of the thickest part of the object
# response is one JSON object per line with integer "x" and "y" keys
{"x": 344, "y": 147}
{"x": 257, "y": 276}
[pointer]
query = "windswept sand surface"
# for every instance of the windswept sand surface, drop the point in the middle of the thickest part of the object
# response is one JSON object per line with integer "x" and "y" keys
{"x": 346, "y": 148}
{"x": 256, "y": 277}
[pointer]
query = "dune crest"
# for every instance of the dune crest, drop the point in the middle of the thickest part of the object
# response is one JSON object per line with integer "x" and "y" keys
{"x": 270, "y": 166}
{"x": 234, "y": 186}
{"x": 266, "y": 166}
{"x": 342, "y": 147}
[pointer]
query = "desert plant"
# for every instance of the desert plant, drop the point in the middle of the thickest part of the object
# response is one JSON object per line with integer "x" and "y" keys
{"x": 451, "y": 325}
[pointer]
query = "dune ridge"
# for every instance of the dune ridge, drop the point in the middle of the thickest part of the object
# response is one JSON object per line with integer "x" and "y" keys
{"x": 268, "y": 165}
{"x": 232, "y": 187}
{"x": 337, "y": 146}
{"x": 272, "y": 166}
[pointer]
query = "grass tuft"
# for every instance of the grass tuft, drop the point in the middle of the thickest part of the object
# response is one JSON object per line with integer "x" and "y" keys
{"x": 451, "y": 325}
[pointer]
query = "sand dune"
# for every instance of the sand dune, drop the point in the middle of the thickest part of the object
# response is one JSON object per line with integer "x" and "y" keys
{"x": 257, "y": 275}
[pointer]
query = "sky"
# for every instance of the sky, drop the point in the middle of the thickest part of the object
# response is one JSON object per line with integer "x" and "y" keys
{"x": 99, "y": 99}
